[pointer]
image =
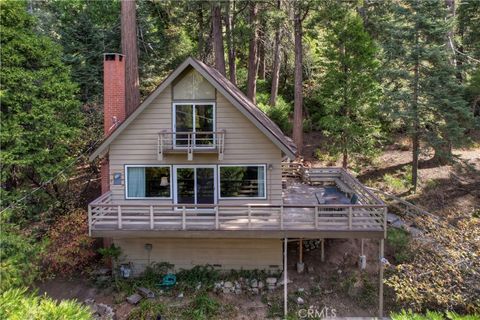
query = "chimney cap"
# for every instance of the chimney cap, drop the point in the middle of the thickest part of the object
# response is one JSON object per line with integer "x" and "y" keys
{"x": 113, "y": 56}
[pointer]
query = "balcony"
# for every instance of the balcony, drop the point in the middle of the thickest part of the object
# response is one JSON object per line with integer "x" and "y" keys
{"x": 307, "y": 210}
{"x": 190, "y": 143}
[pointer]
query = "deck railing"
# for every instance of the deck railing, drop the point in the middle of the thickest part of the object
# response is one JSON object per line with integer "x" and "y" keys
{"x": 103, "y": 215}
{"x": 190, "y": 142}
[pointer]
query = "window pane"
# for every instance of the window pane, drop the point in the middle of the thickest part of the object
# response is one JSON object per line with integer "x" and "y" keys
{"x": 193, "y": 86}
{"x": 157, "y": 182}
{"x": 204, "y": 123}
{"x": 183, "y": 123}
{"x": 185, "y": 185}
{"x": 148, "y": 182}
{"x": 245, "y": 181}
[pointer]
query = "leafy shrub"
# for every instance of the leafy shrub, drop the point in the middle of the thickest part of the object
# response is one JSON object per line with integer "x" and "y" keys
{"x": 431, "y": 315}
{"x": 206, "y": 275}
{"x": 399, "y": 242}
{"x": 280, "y": 113}
{"x": 18, "y": 304}
{"x": 150, "y": 278}
{"x": 19, "y": 265}
{"x": 203, "y": 307}
{"x": 70, "y": 247}
{"x": 111, "y": 253}
{"x": 147, "y": 309}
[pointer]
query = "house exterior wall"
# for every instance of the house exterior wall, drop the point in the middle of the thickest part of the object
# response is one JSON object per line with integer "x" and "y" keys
{"x": 244, "y": 144}
{"x": 224, "y": 254}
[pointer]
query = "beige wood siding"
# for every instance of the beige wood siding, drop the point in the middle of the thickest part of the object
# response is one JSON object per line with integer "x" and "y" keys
{"x": 227, "y": 254}
{"x": 244, "y": 144}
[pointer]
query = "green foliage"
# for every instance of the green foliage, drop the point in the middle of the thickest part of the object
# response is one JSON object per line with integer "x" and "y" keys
{"x": 147, "y": 309}
{"x": 40, "y": 115}
{"x": 151, "y": 277}
{"x": 349, "y": 91}
{"x": 19, "y": 258}
{"x": 431, "y": 315}
{"x": 399, "y": 242}
{"x": 203, "y": 307}
{"x": 110, "y": 253}
{"x": 280, "y": 113}
{"x": 18, "y": 304}
{"x": 206, "y": 275}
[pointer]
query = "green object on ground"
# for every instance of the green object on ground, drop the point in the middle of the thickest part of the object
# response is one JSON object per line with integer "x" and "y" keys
{"x": 169, "y": 280}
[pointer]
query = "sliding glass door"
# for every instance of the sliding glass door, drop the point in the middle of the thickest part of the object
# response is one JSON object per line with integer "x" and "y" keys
{"x": 195, "y": 184}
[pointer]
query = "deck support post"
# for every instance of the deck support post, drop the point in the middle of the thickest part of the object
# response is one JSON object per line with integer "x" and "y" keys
{"x": 89, "y": 221}
{"x": 380, "y": 289}
{"x": 281, "y": 217}
{"x": 350, "y": 218}
{"x": 216, "y": 217}
{"x": 322, "y": 254}
{"x": 119, "y": 211}
{"x": 285, "y": 282}
{"x": 183, "y": 218}
{"x": 249, "y": 217}
{"x": 300, "y": 250}
{"x": 151, "y": 218}
{"x": 316, "y": 217}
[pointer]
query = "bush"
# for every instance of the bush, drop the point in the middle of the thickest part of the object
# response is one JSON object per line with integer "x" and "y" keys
{"x": 70, "y": 248}
{"x": 203, "y": 307}
{"x": 280, "y": 113}
{"x": 18, "y": 304}
{"x": 206, "y": 275}
{"x": 399, "y": 242}
{"x": 19, "y": 263}
{"x": 430, "y": 315}
{"x": 147, "y": 309}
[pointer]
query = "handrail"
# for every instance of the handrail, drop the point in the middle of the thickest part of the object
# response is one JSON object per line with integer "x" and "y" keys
{"x": 190, "y": 141}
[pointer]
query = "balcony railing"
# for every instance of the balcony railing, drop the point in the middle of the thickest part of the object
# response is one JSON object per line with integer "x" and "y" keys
{"x": 106, "y": 216}
{"x": 191, "y": 142}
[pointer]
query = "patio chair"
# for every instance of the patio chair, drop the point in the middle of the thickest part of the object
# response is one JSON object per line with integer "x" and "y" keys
{"x": 354, "y": 199}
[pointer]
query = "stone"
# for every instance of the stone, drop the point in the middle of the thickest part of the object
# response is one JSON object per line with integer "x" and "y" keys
{"x": 300, "y": 267}
{"x": 339, "y": 271}
{"x": 301, "y": 290}
{"x": 146, "y": 293}
{"x": 134, "y": 298}
{"x": 228, "y": 285}
{"x": 310, "y": 269}
{"x": 226, "y": 290}
{"x": 280, "y": 282}
{"x": 180, "y": 295}
{"x": 199, "y": 285}
{"x": 255, "y": 290}
{"x": 260, "y": 285}
{"x": 89, "y": 301}
{"x": 300, "y": 301}
{"x": 238, "y": 291}
{"x": 271, "y": 281}
{"x": 105, "y": 312}
{"x": 254, "y": 283}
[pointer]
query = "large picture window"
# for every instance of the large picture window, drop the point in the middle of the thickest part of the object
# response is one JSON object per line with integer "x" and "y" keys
{"x": 148, "y": 182}
{"x": 242, "y": 181}
{"x": 199, "y": 119}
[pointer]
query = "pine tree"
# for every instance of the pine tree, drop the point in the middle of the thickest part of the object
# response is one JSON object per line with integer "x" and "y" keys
{"x": 349, "y": 90}
{"x": 40, "y": 114}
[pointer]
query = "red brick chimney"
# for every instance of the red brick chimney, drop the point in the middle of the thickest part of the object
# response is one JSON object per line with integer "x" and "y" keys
{"x": 113, "y": 104}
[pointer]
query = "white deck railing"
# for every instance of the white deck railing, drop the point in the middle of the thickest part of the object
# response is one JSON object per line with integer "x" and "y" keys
{"x": 105, "y": 215}
{"x": 190, "y": 142}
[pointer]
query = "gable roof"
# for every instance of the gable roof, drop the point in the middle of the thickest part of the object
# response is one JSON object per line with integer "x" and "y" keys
{"x": 225, "y": 87}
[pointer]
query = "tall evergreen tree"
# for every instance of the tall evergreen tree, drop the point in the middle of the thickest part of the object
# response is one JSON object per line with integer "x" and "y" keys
{"x": 349, "y": 91}
{"x": 40, "y": 115}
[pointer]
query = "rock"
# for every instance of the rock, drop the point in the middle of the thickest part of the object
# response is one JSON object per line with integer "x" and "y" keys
{"x": 226, "y": 290}
{"x": 238, "y": 291}
{"x": 310, "y": 269}
{"x": 280, "y": 282}
{"x": 180, "y": 295}
{"x": 254, "y": 283}
{"x": 339, "y": 271}
{"x": 260, "y": 285}
{"x": 255, "y": 290}
{"x": 238, "y": 285}
{"x": 199, "y": 285}
{"x": 228, "y": 285}
{"x": 300, "y": 267}
{"x": 301, "y": 290}
{"x": 300, "y": 301}
{"x": 271, "y": 281}
{"x": 89, "y": 301}
{"x": 146, "y": 293}
{"x": 134, "y": 298}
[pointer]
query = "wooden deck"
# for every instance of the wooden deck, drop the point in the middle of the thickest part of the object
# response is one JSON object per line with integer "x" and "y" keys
{"x": 300, "y": 212}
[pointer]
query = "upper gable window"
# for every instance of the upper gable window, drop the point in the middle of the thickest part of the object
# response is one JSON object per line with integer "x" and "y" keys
{"x": 193, "y": 87}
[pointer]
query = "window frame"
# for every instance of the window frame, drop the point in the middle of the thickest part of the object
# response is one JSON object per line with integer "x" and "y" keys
{"x": 216, "y": 170}
{"x": 193, "y": 103}
{"x": 147, "y": 166}
{"x": 219, "y": 183}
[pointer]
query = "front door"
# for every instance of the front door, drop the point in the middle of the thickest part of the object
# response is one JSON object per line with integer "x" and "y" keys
{"x": 195, "y": 184}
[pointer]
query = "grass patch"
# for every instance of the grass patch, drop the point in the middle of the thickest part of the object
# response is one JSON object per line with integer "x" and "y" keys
{"x": 432, "y": 315}
{"x": 147, "y": 309}
{"x": 399, "y": 241}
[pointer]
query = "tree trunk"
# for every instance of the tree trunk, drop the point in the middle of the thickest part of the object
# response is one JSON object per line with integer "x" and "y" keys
{"x": 232, "y": 67}
{"x": 252, "y": 59}
{"x": 218, "y": 38}
{"x": 298, "y": 94}
{"x": 201, "y": 31}
{"x": 261, "y": 55}
{"x": 416, "y": 121}
{"x": 129, "y": 49}
{"x": 345, "y": 159}
{"x": 276, "y": 63}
